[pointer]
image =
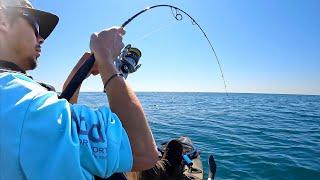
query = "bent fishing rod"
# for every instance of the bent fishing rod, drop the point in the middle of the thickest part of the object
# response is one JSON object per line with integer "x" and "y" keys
{"x": 127, "y": 62}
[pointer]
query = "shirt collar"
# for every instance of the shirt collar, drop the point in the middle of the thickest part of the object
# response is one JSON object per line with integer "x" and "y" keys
{"x": 10, "y": 66}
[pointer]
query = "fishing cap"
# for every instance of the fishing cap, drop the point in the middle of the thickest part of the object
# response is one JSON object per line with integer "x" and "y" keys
{"x": 47, "y": 21}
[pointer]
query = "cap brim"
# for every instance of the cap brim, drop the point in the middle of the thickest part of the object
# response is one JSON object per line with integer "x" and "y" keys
{"x": 47, "y": 22}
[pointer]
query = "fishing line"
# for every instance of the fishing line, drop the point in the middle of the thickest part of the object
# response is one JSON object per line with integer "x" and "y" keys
{"x": 160, "y": 28}
{"x": 176, "y": 12}
{"x": 129, "y": 57}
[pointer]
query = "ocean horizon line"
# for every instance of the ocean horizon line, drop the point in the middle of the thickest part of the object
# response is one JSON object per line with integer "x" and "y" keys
{"x": 257, "y": 93}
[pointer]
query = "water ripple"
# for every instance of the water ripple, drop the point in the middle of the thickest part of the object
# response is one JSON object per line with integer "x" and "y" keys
{"x": 252, "y": 136}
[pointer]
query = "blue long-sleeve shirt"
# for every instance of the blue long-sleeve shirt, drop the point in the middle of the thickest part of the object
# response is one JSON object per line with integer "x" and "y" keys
{"x": 43, "y": 137}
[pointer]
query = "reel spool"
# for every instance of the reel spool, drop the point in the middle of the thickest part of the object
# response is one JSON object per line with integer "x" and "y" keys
{"x": 127, "y": 61}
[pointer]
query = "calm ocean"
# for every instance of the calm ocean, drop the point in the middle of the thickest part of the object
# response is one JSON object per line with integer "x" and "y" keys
{"x": 252, "y": 136}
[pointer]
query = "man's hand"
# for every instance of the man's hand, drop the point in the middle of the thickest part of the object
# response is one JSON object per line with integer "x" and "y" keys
{"x": 94, "y": 71}
{"x": 107, "y": 44}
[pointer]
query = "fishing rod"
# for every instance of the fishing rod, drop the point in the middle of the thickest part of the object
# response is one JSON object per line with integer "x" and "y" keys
{"x": 127, "y": 62}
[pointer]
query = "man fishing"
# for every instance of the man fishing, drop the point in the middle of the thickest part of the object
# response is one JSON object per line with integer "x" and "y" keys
{"x": 43, "y": 137}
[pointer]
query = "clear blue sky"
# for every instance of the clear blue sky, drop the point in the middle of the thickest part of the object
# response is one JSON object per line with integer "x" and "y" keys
{"x": 270, "y": 46}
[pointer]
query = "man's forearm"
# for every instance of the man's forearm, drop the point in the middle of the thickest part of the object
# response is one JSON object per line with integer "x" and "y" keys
{"x": 134, "y": 121}
{"x": 125, "y": 104}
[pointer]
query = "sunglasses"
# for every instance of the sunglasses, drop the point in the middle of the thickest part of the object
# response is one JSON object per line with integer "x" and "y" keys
{"x": 33, "y": 21}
